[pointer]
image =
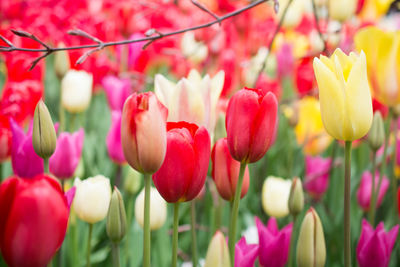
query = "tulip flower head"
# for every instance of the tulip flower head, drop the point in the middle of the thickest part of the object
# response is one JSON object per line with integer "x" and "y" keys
{"x": 342, "y": 10}
{"x": 275, "y": 196}
{"x": 117, "y": 91}
{"x": 317, "y": 176}
{"x": 273, "y": 243}
{"x": 217, "y": 252}
{"x": 344, "y": 93}
{"x": 33, "y": 221}
{"x": 67, "y": 155}
{"x": 183, "y": 173}
{"x": 158, "y": 209}
{"x": 225, "y": 171}
{"x": 364, "y": 190}
{"x": 76, "y": 90}
{"x": 245, "y": 254}
{"x": 251, "y": 119}
{"x": 116, "y": 218}
{"x": 113, "y": 139}
{"x": 374, "y": 247}
{"x": 143, "y": 132}
{"x": 92, "y": 198}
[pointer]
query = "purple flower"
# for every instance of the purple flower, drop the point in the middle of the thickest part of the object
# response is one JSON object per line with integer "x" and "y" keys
{"x": 273, "y": 244}
{"x": 317, "y": 176}
{"x": 113, "y": 141}
{"x": 375, "y": 246}
{"x": 25, "y": 162}
{"x": 117, "y": 91}
{"x": 364, "y": 190}
{"x": 245, "y": 254}
{"x": 67, "y": 154}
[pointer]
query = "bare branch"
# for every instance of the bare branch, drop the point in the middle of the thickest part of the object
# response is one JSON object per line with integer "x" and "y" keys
{"x": 30, "y": 36}
{"x": 88, "y": 53}
{"x": 36, "y": 61}
{"x": 205, "y": 9}
{"x": 78, "y": 32}
{"x": 6, "y": 41}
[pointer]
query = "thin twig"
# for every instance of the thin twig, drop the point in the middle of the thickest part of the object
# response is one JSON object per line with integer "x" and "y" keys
{"x": 101, "y": 45}
{"x": 205, "y": 9}
{"x": 318, "y": 27}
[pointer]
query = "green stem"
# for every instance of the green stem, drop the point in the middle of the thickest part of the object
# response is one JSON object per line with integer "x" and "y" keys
{"x": 234, "y": 214}
{"x": 374, "y": 192}
{"x": 292, "y": 243}
{"x": 394, "y": 178}
{"x": 175, "y": 235}
{"x": 129, "y": 215}
{"x": 347, "y": 182}
{"x": 146, "y": 228}
{"x": 63, "y": 185}
{"x": 46, "y": 165}
{"x": 115, "y": 254}
{"x": 88, "y": 245}
{"x": 193, "y": 230}
{"x": 1, "y": 172}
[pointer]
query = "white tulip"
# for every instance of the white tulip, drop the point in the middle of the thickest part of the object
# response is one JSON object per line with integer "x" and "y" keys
{"x": 275, "y": 196}
{"x": 76, "y": 90}
{"x": 92, "y": 198}
{"x": 193, "y": 50}
{"x": 158, "y": 209}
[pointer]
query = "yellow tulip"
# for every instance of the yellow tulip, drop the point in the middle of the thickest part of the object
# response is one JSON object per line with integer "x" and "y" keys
{"x": 344, "y": 94}
{"x": 383, "y": 62}
{"x": 342, "y": 10}
{"x": 310, "y": 132}
{"x": 374, "y": 9}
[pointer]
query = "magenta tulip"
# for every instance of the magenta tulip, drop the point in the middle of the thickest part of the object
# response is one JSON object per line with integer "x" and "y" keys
{"x": 25, "y": 162}
{"x": 183, "y": 173}
{"x": 117, "y": 91}
{"x": 375, "y": 246}
{"x": 245, "y": 254}
{"x": 34, "y": 215}
{"x": 68, "y": 152}
{"x": 317, "y": 176}
{"x": 364, "y": 190}
{"x": 273, "y": 244}
{"x": 113, "y": 140}
{"x": 250, "y": 124}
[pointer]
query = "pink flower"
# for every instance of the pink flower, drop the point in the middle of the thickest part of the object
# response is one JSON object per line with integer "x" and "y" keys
{"x": 273, "y": 244}
{"x": 117, "y": 91}
{"x": 245, "y": 254}
{"x": 67, "y": 154}
{"x": 375, "y": 246}
{"x": 285, "y": 60}
{"x": 317, "y": 176}
{"x": 25, "y": 162}
{"x": 114, "y": 146}
{"x": 364, "y": 190}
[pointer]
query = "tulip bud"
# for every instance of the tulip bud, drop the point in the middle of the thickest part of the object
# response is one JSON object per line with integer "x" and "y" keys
{"x": 376, "y": 134}
{"x": 76, "y": 90}
{"x": 296, "y": 197}
{"x": 311, "y": 251}
{"x": 217, "y": 252}
{"x": 116, "y": 217}
{"x": 132, "y": 181}
{"x": 158, "y": 209}
{"x": 44, "y": 135}
{"x": 275, "y": 196}
{"x": 61, "y": 62}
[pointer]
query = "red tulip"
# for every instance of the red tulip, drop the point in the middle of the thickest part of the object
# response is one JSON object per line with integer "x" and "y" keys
{"x": 143, "y": 133}
{"x": 184, "y": 171}
{"x": 250, "y": 124}
{"x": 33, "y": 221}
{"x": 225, "y": 171}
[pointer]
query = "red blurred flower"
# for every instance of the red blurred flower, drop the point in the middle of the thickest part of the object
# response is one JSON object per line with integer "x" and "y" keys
{"x": 267, "y": 84}
{"x": 5, "y": 138}
{"x": 183, "y": 173}
{"x": 376, "y": 105}
{"x": 250, "y": 124}
{"x": 33, "y": 222}
{"x": 304, "y": 75}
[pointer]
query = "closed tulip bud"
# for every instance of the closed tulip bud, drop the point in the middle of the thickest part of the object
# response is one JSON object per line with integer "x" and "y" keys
{"x": 275, "y": 196}
{"x": 143, "y": 132}
{"x": 296, "y": 197}
{"x": 44, "y": 135}
{"x": 344, "y": 93}
{"x": 311, "y": 251}
{"x": 76, "y": 90}
{"x": 92, "y": 198}
{"x": 158, "y": 209}
{"x": 217, "y": 252}
{"x": 132, "y": 181}
{"x": 342, "y": 10}
{"x": 61, "y": 62}
{"x": 116, "y": 217}
{"x": 376, "y": 134}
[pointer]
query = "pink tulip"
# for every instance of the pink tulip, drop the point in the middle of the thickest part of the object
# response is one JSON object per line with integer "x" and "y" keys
{"x": 25, "y": 162}
{"x": 273, "y": 244}
{"x": 67, "y": 154}
{"x": 245, "y": 254}
{"x": 375, "y": 246}
{"x": 114, "y": 146}
{"x": 317, "y": 176}
{"x": 285, "y": 60}
{"x": 364, "y": 190}
{"x": 117, "y": 91}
